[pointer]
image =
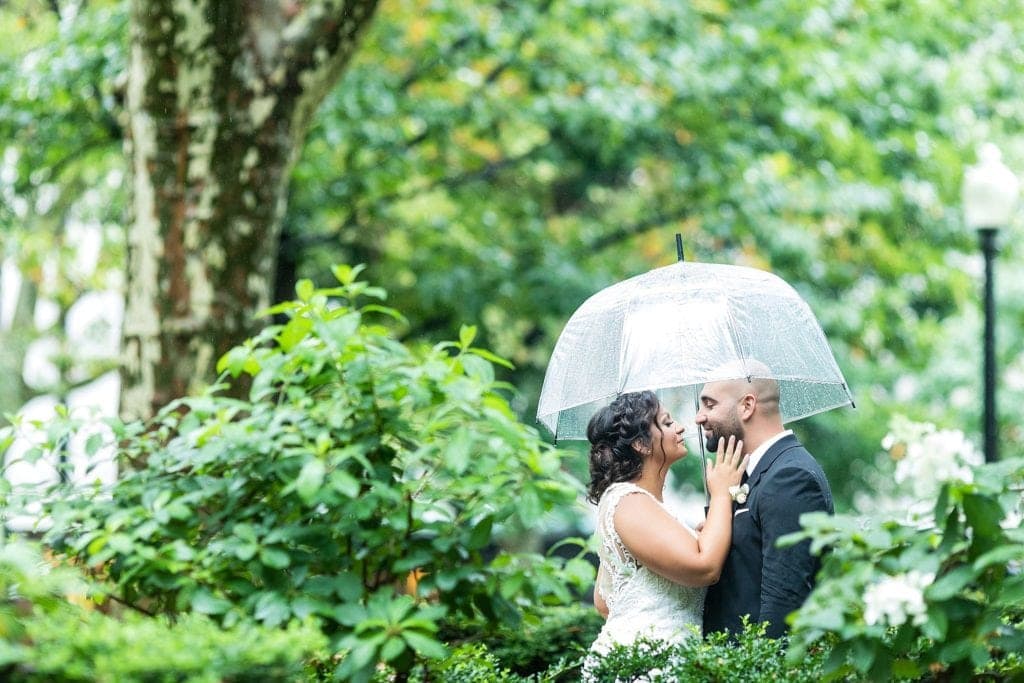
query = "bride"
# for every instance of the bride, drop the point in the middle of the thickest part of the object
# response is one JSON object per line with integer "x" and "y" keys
{"x": 654, "y": 569}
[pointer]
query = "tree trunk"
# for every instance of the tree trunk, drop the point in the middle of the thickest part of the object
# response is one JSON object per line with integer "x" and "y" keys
{"x": 14, "y": 342}
{"x": 220, "y": 95}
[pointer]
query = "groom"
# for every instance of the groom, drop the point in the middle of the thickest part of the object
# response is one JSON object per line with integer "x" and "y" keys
{"x": 784, "y": 481}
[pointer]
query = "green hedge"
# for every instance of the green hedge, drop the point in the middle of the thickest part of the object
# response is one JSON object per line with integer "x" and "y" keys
{"x": 552, "y": 650}
{"x": 51, "y": 630}
{"x": 543, "y": 637}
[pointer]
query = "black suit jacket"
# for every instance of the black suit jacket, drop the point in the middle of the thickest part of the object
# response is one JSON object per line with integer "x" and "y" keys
{"x": 759, "y": 579}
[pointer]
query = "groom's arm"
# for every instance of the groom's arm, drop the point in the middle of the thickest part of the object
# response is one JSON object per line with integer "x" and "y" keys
{"x": 787, "y": 574}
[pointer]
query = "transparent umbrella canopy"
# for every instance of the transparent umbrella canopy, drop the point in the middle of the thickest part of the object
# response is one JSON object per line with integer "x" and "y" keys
{"x": 675, "y": 328}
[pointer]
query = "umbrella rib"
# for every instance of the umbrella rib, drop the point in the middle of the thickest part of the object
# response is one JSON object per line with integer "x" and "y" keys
{"x": 731, "y": 324}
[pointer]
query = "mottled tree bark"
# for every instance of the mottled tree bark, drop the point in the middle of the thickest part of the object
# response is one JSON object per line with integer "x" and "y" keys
{"x": 14, "y": 341}
{"x": 220, "y": 95}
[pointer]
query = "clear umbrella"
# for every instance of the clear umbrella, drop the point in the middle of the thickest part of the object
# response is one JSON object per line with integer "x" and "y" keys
{"x": 675, "y": 328}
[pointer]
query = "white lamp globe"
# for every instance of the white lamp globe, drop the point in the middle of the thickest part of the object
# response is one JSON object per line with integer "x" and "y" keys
{"x": 990, "y": 190}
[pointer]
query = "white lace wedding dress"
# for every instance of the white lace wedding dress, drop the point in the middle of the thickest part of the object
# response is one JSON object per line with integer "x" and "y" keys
{"x": 640, "y": 602}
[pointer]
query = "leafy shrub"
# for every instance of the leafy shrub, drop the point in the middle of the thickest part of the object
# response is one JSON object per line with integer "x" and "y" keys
{"x": 545, "y": 637}
{"x": 939, "y": 594}
{"x": 531, "y": 646}
{"x": 362, "y": 482}
{"x": 750, "y": 657}
{"x": 470, "y": 663}
{"x": 49, "y": 632}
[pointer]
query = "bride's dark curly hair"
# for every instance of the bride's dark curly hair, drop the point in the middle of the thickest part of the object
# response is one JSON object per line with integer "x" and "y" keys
{"x": 612, "y": 433}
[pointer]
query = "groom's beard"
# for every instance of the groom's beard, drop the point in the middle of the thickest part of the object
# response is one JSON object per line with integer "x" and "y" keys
{"x": 712, "y": 435}
{"x": 711, "y": 441}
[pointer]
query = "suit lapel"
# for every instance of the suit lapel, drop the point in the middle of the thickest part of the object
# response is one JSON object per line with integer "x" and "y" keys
{"x": 778, "y": 448}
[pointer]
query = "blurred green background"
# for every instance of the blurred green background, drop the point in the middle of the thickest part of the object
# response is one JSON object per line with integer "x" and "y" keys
{"x": 495, "y": 163}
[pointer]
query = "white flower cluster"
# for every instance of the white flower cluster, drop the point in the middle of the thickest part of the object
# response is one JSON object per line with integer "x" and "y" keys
{"x": 933, "y": 457}
{"x": 739, "y": 493}
{"x": 894, "y": 599}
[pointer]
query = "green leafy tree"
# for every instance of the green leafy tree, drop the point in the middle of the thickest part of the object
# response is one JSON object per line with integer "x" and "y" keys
{"x": 61, "y": 182}
{"x": 498, "y": 163}
{"x": 502, "y": 165}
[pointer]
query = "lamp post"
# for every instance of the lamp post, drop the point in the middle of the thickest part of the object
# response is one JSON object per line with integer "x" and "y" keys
{"x": 989, "y": 196}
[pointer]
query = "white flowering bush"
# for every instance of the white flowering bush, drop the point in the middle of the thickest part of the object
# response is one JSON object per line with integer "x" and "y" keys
{"x": 894, "y": 599}
{"x": 927, "y": 458}
{"x": 939, "y": 594}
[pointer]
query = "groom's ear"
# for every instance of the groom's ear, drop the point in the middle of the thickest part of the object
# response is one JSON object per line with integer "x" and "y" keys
{"x": 747, "y": 405}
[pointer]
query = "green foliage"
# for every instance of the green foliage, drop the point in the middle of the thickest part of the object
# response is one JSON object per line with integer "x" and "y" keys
{"x": 750, "y": 657}
{"x": 471, "y": 663}
{"x": 62, "y": 156}
{"x": 364, "y": 482}
{"x": 543, "y": 637}
{"x": 50, "y": 630}
{"x": 911, "y": 597}
{"x": 61, "y": 183}
{"x": 550, "y": 634}
{"x": 500, "y": 163}
{"x": 475, "y": 663}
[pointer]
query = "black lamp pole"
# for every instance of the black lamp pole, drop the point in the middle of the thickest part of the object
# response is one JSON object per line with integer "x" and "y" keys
{"x": 989, "y": 193}
{"x": 987, "y": 237}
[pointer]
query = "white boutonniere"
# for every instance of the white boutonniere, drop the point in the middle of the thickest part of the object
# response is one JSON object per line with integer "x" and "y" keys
{"x": 739, "y": 493}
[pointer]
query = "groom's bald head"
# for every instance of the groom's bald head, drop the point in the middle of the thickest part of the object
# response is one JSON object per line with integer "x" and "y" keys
{"x": 750, "y": 377}
{"x": 744, "y": 404}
